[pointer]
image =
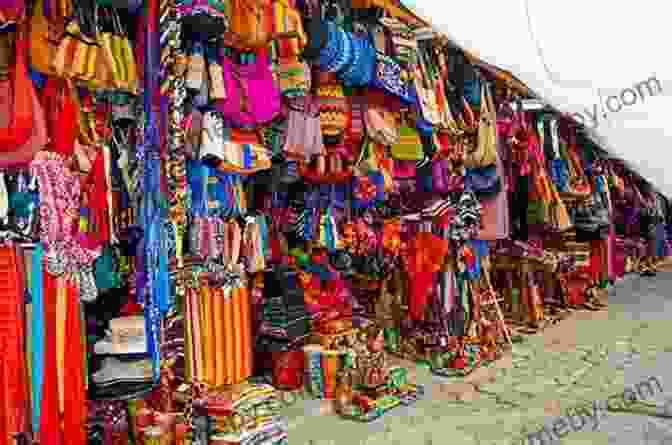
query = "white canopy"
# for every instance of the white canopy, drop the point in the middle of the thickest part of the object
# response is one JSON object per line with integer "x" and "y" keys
{"x": 606, "y": 63}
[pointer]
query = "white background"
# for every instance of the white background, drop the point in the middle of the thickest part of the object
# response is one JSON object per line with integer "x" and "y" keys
{"x": 575, "y": 54}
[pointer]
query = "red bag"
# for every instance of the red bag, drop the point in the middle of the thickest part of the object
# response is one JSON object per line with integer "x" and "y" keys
{"x": 63, "y": 115}
{"x": 288, "y": 369}
{"x": 20, "y": 128}
{"x": 23, "y": 154}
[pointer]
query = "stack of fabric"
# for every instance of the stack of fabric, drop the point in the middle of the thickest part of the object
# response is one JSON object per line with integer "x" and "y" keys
{"x": 247, "y": 414}
{"x": 285, "y": 317}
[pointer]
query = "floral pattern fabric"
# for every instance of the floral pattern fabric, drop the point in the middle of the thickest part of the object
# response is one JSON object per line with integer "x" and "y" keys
{"x": 59, "y": 215}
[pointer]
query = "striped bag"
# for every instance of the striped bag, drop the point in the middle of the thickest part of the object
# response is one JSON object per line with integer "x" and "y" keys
{"x": 409, "y": 147}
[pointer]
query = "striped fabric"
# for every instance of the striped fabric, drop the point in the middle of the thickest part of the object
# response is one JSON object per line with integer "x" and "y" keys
{"x": 221, "y": 335}
{"x": 293, "y": 77}
{"x": 333, "y": 109}
{"x": 355, "y": 122}
{"x": 243, "y": 151}
{"x": 13, "y": 386}
{"x": 404, "y": 41}
{"x": 409, "y": 147}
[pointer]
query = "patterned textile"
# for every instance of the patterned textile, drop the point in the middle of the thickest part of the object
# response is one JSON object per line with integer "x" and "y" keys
{"x": 59, "y": 214}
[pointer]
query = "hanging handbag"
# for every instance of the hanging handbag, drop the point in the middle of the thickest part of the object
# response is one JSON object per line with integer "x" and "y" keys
{"x": 236, "y": 150}
{"x": 63, "y": 115}
{"x": 485, "y": 182}
{"x": 381, "y": 125}
{"x": 558, "y": 214}
{"x": 424, "y": 85}
{"x": 388, "y": 78}
{"x": 250, "y": 24}
{"x": 6, "y": 53}
{"x": 253, "y": 98}
{"x": 20, "y": 126}
{"x": 409, "y": 147}
{"x": 22, "y": 155}
{"x": 126, "y": 57}
{"x": 485, "y": 153}
{"x": 332, "y": 108}
{"x": 44, "y": 32}
{"x": 216, "y": 87}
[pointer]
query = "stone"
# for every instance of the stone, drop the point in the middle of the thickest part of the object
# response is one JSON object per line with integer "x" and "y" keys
{"x": 481, "y": 376}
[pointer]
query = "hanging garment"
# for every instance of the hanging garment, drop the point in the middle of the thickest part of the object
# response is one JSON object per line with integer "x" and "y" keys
{"x": 426, "y": 257}
{"x": 63, "y": 115}
{"x": 74, "y": 357}
{"x": 37, "y": 335}
{"x": 59, "y": 218}
{"x": 304, "y": 135}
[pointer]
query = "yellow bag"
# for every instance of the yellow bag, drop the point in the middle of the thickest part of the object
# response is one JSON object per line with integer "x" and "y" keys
{"x": 485, "y": 153}
{"x": 409, "y": 147}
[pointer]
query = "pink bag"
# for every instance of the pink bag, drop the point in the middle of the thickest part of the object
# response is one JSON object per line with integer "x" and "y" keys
{"x": 252, "y": 97}
{"x": 495, "y": 213}
{"x": 404, "y": 169}
{"x": 24, "y": 154}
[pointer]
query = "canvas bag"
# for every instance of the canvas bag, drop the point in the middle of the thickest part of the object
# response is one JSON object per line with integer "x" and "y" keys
{"x": 485, "y": 152}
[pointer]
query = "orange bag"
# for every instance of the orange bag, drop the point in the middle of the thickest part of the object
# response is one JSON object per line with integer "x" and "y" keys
{"x": 251, "y": 23}
{"x": 20, "y": 127}
{"x": 43, "y": 33}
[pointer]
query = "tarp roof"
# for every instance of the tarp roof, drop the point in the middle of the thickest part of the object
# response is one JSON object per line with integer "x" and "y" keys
{"x": 604, "y": 63}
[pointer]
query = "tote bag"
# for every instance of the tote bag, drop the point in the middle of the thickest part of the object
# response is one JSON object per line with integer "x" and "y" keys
{"x": 23, "y": 154}
{"x": 20, "y": 126}
{"x": 485, "y": 152}
{"x": 495, "y": 221}
{"x": 253, "y": 98}
{"x": 409, "y": 147}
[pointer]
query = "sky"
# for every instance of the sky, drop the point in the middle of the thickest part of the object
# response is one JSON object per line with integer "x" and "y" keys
{"x": 581, "y": 56}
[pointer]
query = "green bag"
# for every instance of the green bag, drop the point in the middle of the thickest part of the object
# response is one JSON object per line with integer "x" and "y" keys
{"x": 409, "y": 147}
{"x": 536, "y": 212}
{"x": 105, "y": 271}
